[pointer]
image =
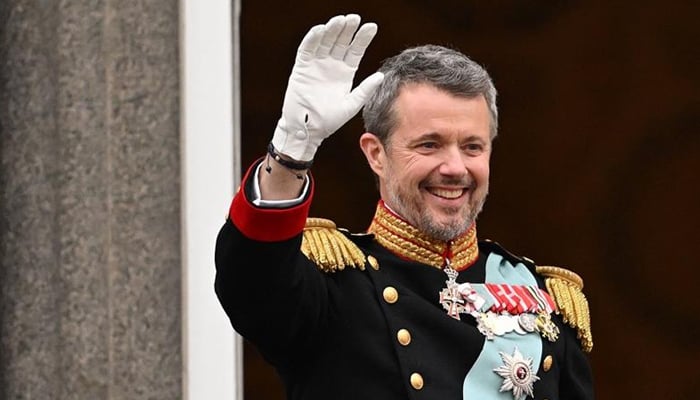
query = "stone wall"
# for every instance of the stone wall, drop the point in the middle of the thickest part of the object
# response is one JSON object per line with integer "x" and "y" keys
{"x": 90, "y": 263}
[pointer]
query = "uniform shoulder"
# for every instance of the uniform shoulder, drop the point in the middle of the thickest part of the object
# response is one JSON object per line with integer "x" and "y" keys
{"x": 330, "y": 247}
{"x": 566, "y": 287}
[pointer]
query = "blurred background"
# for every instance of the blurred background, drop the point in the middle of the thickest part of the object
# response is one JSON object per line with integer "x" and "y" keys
{"x": 595, "y": 167}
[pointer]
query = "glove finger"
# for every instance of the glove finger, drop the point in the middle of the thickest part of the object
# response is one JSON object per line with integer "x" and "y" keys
{"x": 352, "y": 21}
{"x": 332, "y": 30}
{"x": 310, "y": 42}
{"x": 359, "y": 96}
{"x": 358, "y": 46}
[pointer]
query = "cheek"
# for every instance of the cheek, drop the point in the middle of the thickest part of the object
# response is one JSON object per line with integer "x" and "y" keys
{"x": 480, "y": 172}
{"x": 407, "y": 167}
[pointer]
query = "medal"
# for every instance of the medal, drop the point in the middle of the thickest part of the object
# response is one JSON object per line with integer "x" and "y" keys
{"x": 546, "y": 327}
{"x": 517, "y": 374}
{"x": 458, "y": 298}
{"x": 472, "y": 297}
{"x": 491, "y": 324}
{"x": 518, "y": 299}
{"x": 485, "y": 325}
{"x": 450, "y": 297}
{"x": 499, "y": 308}
{"x": 527, "y": 322}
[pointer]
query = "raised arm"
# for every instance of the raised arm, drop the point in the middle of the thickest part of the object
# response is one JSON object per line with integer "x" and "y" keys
{"x": 318, "y": 101}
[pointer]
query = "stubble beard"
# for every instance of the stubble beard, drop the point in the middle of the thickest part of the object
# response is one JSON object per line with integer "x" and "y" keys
{"x": 410, "y": 210}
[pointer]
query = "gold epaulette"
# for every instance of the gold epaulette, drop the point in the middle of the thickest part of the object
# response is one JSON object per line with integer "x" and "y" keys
{"x": 566, "y": 288}
{"x": 329, "y": 248}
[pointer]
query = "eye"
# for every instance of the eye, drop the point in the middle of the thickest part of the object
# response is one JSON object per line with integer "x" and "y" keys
{"x": 474, "y": 148}
{"x": 428, "y": 145}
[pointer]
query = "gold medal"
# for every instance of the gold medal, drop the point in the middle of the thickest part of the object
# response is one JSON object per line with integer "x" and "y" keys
{"x": 546, "y": 327}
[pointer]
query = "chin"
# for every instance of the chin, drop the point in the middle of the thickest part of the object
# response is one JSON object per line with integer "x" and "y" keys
{"x": 444, "y": 228}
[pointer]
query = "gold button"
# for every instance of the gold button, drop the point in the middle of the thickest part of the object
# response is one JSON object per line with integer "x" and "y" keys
{"x": 390, "y": 295}
{"x": 373, "y": 263}
{"x": 404, "y": 336}
{"x": 547, "y": 363}
{"x": 416, "y": 381}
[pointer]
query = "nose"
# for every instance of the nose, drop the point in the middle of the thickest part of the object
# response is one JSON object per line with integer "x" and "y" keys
{"x": 453, "y": 162}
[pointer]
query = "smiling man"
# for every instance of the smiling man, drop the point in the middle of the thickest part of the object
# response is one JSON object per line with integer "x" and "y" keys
{"x": 415, "y": 307}
{"x": 433, "y": 164}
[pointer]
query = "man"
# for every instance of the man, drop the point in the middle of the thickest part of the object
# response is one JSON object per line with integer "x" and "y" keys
{"x": 415, "y": 307}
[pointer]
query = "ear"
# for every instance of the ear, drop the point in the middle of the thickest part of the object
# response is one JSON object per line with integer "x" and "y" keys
{"x": 374, "y": 152}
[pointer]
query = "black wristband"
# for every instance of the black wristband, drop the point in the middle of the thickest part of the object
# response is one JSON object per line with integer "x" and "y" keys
{"x": 295, "y": 165}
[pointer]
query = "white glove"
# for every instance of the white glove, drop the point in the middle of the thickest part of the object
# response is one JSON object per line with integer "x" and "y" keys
{"x": 319, "y": 99}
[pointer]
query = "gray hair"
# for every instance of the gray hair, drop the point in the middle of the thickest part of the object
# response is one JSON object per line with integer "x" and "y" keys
{"x": 439, "y": 66}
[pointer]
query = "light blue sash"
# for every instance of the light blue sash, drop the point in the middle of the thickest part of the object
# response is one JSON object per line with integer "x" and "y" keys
{"x": 482, "y": 383}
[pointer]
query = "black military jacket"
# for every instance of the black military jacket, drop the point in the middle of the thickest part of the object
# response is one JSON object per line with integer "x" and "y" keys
{"x": 378, "y": 330}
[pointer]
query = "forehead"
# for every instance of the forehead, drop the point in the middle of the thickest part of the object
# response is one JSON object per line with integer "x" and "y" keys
{"x": 425, "y": 109}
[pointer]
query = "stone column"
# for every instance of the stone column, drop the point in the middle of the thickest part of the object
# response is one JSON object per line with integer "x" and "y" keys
{"x": 90, "y": 260}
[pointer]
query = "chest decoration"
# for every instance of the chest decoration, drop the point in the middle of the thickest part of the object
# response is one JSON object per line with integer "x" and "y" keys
{"x": 518, "y": 376}
{"x": 500, "y": 308}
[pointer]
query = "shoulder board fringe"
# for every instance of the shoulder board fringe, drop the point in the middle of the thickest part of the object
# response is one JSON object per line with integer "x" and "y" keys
{"x": 329, "y": 248}
{"x": 566, "y": 288}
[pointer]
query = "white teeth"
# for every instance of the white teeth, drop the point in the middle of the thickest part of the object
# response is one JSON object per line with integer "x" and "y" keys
{"x": 448, "y": 194}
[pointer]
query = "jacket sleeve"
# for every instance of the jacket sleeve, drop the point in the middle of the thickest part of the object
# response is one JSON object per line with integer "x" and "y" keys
{"x": 273, "y": 295}
{"x": 576, "y": 380}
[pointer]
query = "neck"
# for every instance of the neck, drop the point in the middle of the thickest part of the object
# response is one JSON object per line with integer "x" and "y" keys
{"x": 406, "y": 241}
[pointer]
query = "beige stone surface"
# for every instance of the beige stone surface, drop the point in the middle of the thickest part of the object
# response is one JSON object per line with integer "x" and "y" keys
{"x": 89, "y": 200}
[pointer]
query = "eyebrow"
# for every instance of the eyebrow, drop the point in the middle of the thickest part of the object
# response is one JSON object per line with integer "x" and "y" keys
{"x": 426, "y": 136}
{"x": 437, "y": 136}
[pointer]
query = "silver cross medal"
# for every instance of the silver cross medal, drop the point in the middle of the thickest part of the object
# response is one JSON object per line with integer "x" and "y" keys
{"x": 450, "y": 297}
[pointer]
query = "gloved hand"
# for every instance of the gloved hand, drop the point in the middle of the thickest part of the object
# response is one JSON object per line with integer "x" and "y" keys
{"x": 319, "y": 100}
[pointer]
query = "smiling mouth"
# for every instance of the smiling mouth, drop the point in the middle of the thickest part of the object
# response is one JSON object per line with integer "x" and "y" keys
{"x": 447, "y": 193}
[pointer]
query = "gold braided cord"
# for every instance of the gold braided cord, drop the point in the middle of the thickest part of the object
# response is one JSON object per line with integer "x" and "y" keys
{"x": 405, "y": 248}
{"x": 561, "y": 273}
{"x": 323, "y": 244}
{"x": 319, "y": 223}
{"x": 408, "y": 242}
{"x": 467, "y": 252}
{"x": 566, "y": 288}
{"x": 308, "y": 245}
{"x": 334, "y": 250}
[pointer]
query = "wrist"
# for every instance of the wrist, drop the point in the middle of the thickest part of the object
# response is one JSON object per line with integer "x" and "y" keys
{"x": 294, "y": 143}
{"x": 287, "y": 161}
{"x": 278, "y": 182}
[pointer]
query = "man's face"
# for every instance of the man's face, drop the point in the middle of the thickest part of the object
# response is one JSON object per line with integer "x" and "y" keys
{"x": 436, "y": 169}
